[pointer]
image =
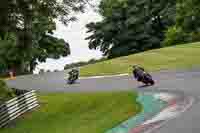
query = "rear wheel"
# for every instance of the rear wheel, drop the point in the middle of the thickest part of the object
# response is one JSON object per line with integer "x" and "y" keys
{"x": 70, "y": 80}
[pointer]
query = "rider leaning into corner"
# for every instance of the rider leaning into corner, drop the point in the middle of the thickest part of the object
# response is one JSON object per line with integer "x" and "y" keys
{"x": 138, "y": 72}
{"x": 142, "y": 76}
{"x": 74, "y": 71}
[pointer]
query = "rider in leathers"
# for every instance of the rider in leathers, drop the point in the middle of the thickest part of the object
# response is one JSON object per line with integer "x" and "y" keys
{"x": 138, "y": 72}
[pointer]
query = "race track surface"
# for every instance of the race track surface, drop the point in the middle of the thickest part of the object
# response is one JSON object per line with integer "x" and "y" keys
{"x": 186, "y": 82}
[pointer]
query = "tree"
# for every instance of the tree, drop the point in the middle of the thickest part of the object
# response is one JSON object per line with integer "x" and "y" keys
{"x": 31, "y": 23}
{"x": 130, "y": 26}
{"x": 187, "y": 26}
{"x": 188, "y": 15}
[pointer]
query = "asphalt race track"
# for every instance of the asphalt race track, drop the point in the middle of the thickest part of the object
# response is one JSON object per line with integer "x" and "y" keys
{"x": 186, "y": 82}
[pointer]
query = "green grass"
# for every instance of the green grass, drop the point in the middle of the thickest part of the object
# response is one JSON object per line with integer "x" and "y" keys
{"x": 180, "y": 56}
{"x": 77, "y": 113}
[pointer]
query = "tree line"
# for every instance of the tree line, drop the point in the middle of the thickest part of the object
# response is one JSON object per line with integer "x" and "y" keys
{"x": 76, "y": 64}
{"x": 83, "y": 63}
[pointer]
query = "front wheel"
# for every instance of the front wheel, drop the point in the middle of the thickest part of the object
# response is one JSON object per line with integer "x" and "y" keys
{"x": 149, "y": 80}
{"x": 152, "y": 82}
{"x": 70, "y": 82}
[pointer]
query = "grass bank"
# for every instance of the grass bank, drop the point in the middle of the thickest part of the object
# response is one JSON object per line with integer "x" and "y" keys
{"x": 77, "y": 113}
{"x": 176, "y": 57}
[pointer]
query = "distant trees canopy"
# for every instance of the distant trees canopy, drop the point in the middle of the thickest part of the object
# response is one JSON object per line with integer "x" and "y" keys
{"x": 131, "y": 26}
{"x": 26, "y": 28}
{"x": 82, "y": 63}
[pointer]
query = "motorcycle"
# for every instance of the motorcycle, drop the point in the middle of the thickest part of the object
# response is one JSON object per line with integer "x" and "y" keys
{"x": 147, "y": 79}
{"x": 72, "y": 78}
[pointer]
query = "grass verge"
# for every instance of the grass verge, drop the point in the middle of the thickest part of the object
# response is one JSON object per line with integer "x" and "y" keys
{"x": 180, "y": 56}
{"x": 77, "y": 113}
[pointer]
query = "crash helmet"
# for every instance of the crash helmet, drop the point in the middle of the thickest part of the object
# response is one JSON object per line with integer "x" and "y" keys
{"x": 135, "y": 66}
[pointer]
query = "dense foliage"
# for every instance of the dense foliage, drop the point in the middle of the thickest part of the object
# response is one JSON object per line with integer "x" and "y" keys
{"x": 5, "y": 92}
{"x": 26, "y": 31}
{"x": 187, "y": 27}
{"x": 131, "y": 26}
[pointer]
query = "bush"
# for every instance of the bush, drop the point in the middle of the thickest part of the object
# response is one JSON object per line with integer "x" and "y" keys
{"x": 195, "y": 36}
{"x": 5, "y": 92}
{"x": 4, "y": 75}
{"x": 41, "y": 71}
{"x": 174, "y": 36}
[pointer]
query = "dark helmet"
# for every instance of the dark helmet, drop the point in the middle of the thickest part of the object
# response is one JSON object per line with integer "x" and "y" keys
{"x": 75, "y": 70}
{"x": 135, "y": 66}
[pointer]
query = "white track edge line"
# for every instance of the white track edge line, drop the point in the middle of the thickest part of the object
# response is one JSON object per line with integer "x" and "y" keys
{"x": 106, "y": 76}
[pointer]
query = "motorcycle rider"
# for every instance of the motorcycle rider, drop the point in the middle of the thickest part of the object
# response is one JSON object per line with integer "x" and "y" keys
{"x": 142, "y": 76}
{"x": 138, "y": 72}
{"x": 74, "y": 72}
